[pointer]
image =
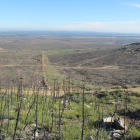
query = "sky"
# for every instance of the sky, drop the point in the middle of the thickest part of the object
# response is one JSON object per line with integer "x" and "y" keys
{"x": 121, "y": 16}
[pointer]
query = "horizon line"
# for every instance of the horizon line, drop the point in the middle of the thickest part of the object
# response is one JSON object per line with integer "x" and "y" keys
{"x": 33, "y": 30}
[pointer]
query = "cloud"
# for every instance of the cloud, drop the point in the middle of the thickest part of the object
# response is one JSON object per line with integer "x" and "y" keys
{"x": 132, "y": 4}
{"x": 126, "y": 27}
{"x": 135, "y": 5}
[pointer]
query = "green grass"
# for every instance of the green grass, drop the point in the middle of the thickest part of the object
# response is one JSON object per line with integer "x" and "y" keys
{"x": 71, "y": 121}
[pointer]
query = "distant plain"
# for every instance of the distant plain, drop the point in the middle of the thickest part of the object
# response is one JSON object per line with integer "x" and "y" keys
{"x": 83, "y": 57}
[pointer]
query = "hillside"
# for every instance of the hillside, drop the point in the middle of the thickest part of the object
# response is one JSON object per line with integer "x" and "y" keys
{"x": 101, "y": 67}
{"x": 126, "y": 55}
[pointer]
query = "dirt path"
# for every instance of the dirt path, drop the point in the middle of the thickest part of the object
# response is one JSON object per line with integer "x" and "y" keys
{"x": 1, "y": 49}
{"x": 20, "y": 65}
{"x": 31, "y": 91}
{"x": 44, "y": 61}
{"x": 89, "y": 68}
{"x": 133, "y": 89}
{"x": 90, "y": 60}
{"x": 129, "y": 89}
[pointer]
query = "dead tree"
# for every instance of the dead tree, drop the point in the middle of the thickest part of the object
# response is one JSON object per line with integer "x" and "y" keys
{"x": 83, "y": 114}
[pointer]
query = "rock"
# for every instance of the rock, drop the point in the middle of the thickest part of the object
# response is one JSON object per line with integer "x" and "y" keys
{"x": 33, "y": 125}
{"x": 89, "y": 138}
{"x": 87, "y": 106}
{"x": 107, "y": 122}
{"x": 66, "y": 101}
{"x": 36, "y": 134}
{"x": 116, "y": 135}
{"x": 51, "y": 110}
{"x": 66, "y": 104}
{"x": 113, "y": 103}
{"x": 119, "y": 124}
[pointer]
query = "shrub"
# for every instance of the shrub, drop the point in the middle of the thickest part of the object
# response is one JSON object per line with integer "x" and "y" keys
{"x": 103, "y": 100}
{"x": 87, "y": 112}
{"x": 118, "y": 91}
{"x": 65, "y": 122}
{"x": 71, "y": 132}
{"x": 127, "y": 86}
{"x": 118, "y": 87}
{"x": 134, "y": 133}
{"x": 47, "y": 126}
{"x": 70, "y": 114}
{"x": 137, "y": 94}
{"x": 112, "y": 93}
{"x": 106, "y": 94}
{"x": 135, "y": 86}
{"x": 89, "y": 99}
{"x": 91, "y": 122}
{"x": 131, "y": 99}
